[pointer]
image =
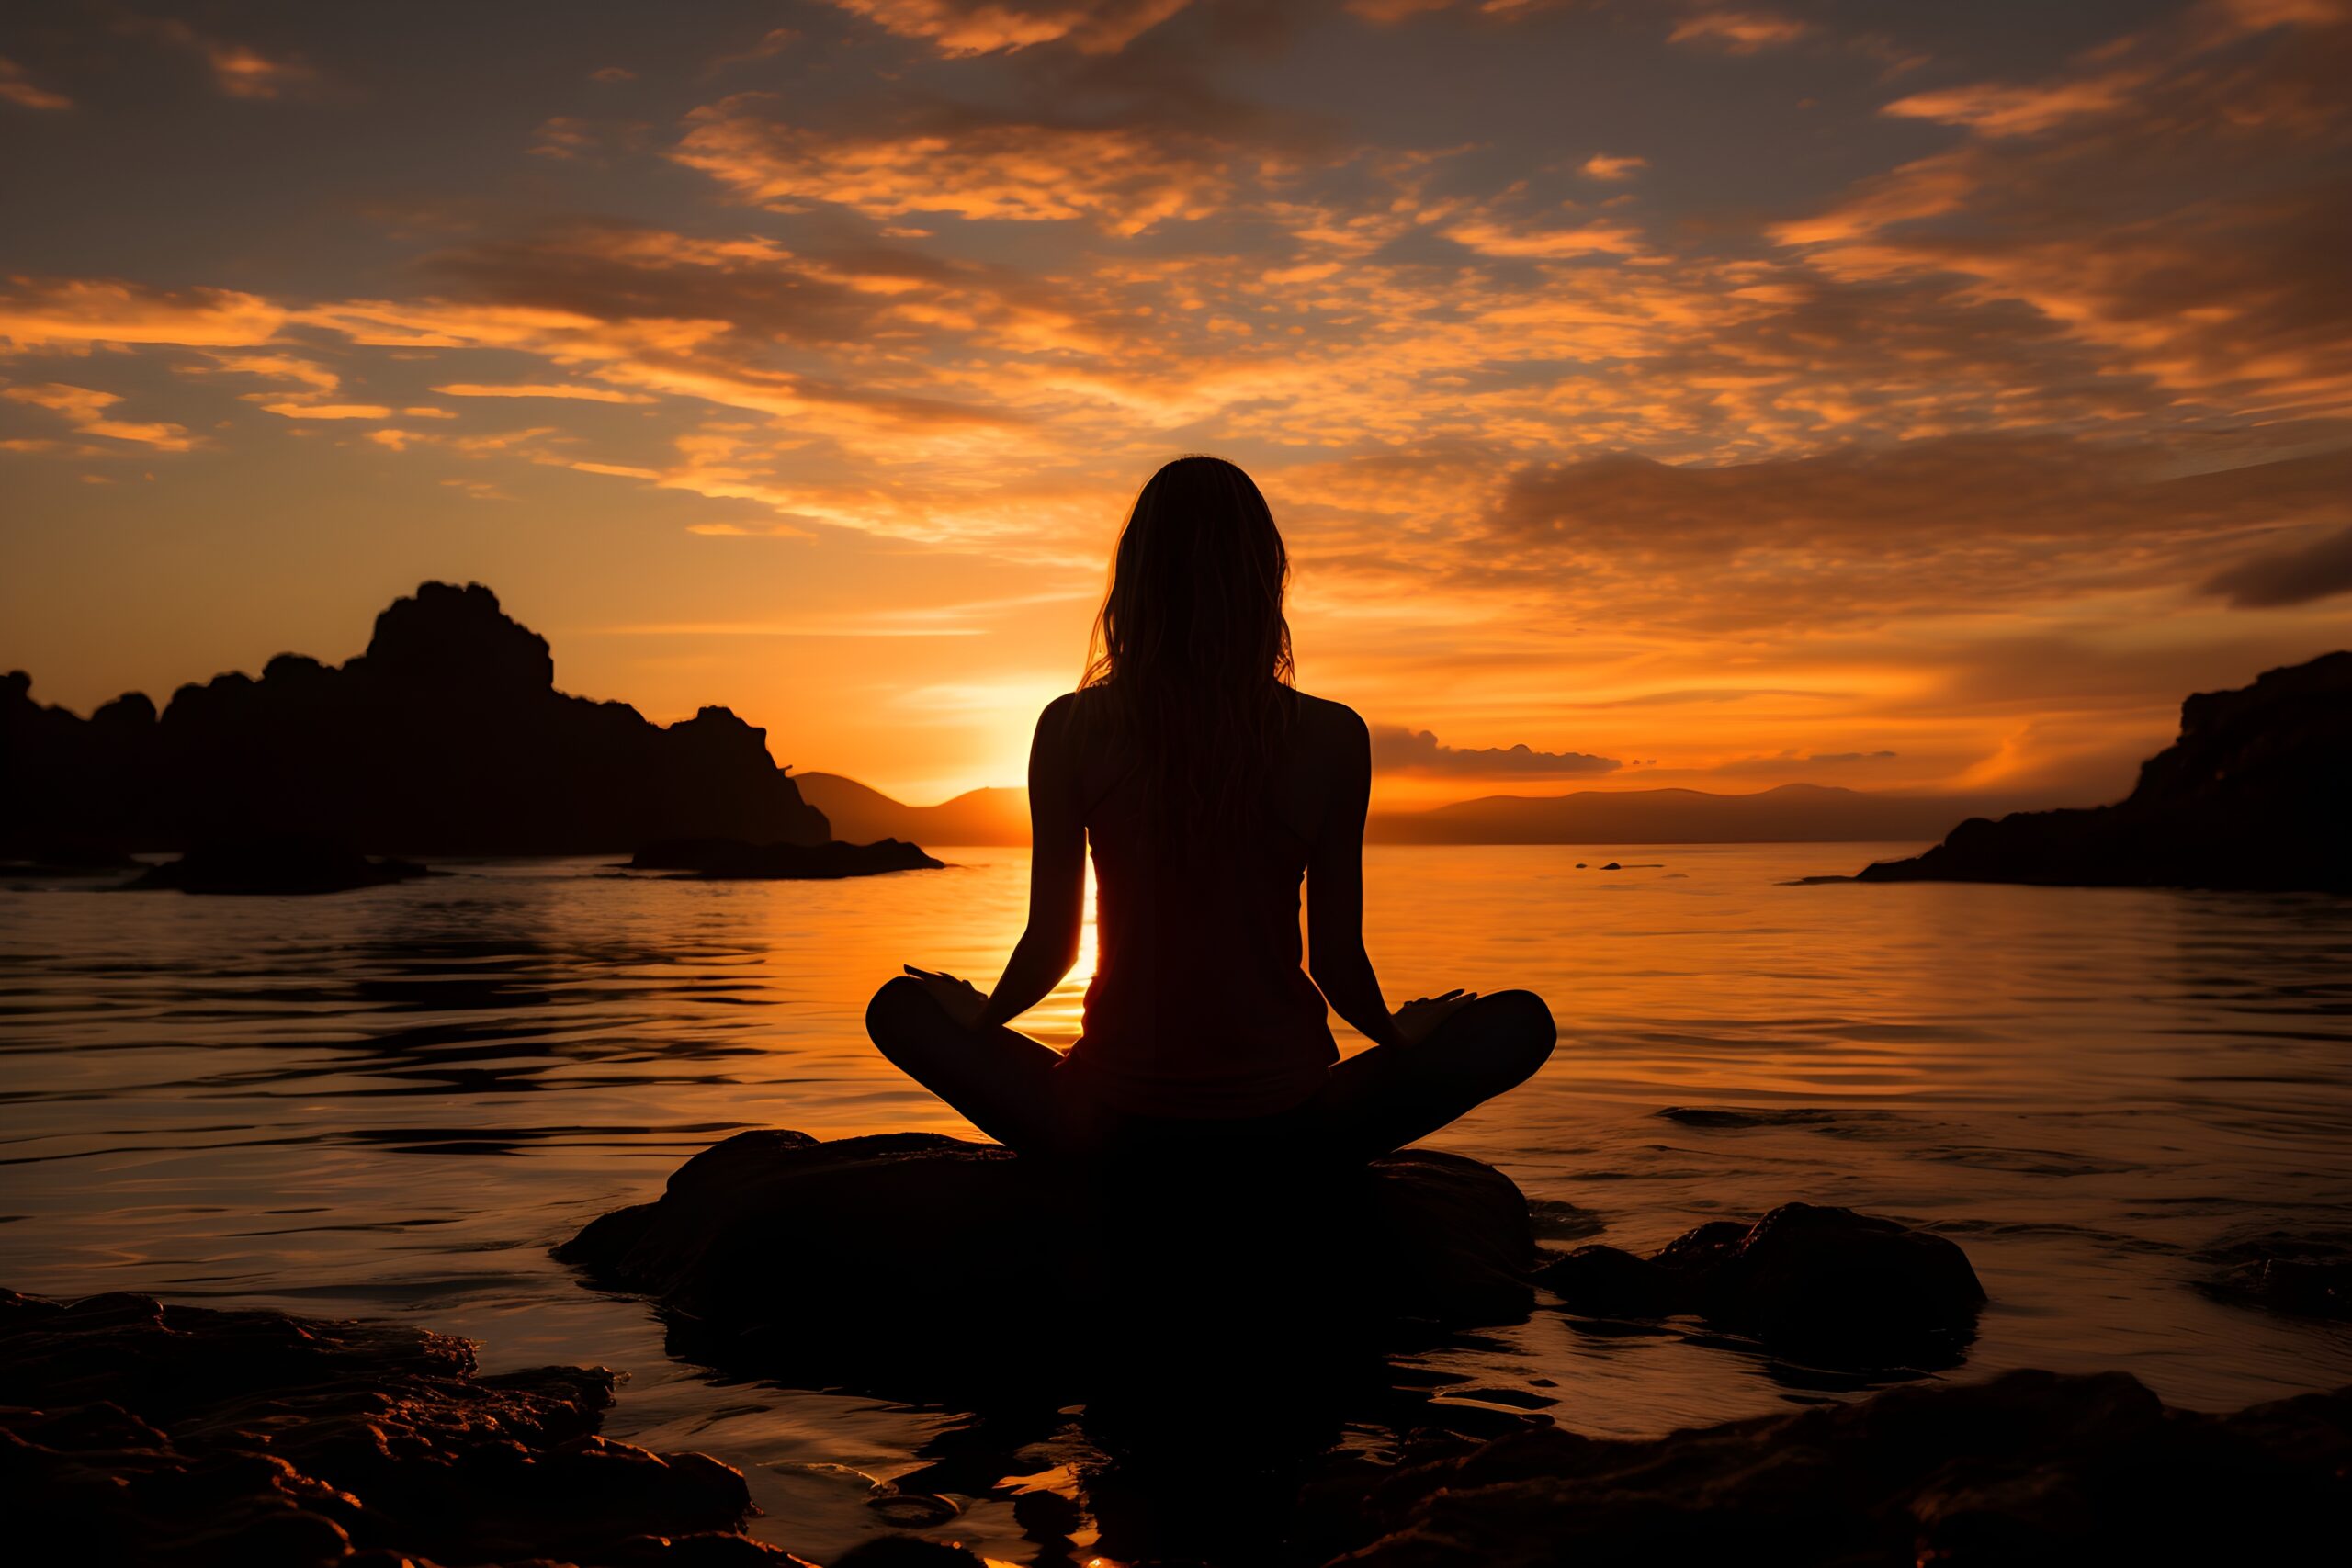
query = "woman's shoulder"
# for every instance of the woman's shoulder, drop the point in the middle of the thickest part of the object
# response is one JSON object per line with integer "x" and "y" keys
{"x": 1321, "y": 717}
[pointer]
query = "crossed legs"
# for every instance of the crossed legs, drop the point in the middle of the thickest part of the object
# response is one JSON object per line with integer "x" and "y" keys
{"x": 1375, "y": 1102}
{"x": 1378, "y": 1101}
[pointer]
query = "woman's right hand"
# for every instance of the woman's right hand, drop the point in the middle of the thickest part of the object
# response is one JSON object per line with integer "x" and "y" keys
{"x": 1418, "y": 1018}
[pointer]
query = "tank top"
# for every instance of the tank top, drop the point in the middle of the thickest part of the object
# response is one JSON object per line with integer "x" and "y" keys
{"x": 1199, "y": 1006}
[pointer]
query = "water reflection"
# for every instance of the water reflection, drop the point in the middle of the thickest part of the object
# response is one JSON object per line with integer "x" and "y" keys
{"x": 394, "y": 1101}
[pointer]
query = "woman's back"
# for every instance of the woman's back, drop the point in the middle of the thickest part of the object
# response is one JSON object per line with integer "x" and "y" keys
{"x": 1199, "y": 1010}
{"x": 1199, "y": 1006}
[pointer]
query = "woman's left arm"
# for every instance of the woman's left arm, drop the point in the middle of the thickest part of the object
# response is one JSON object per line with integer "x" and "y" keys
{"x": 1049, "y": 947}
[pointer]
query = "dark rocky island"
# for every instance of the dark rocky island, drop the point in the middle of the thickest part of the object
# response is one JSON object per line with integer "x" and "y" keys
{"x": 2251, "y": 797}
{"x": 733, "y": 859}
{"x": 446, "y": 737}
{"x": 279, "y": 864}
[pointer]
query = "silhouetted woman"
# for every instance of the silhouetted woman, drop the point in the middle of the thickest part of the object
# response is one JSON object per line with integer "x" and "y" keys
{"x": 1208, "y": 786}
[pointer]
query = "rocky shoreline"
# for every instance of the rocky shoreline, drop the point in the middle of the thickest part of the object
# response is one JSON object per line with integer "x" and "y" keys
{"x": 188, "y": 1437}
{"x": 924, "y": 1268}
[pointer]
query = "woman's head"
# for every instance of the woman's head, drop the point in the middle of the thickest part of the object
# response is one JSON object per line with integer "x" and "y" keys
{"x": 1190, "y": 645}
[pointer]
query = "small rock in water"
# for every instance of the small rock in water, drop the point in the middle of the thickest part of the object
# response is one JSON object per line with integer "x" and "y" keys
{"x": 1554, "y": 1219}
{"x": 2310, "y": 1276}
{"x": 1822, "y": 1284}
{"x": 913, "y": 1510}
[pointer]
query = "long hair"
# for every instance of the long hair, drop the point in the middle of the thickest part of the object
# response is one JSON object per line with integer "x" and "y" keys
{"x": 1191, "y": 650}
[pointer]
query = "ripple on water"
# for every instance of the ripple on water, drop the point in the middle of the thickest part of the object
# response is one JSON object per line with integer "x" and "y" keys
{"x": 392, "y": 1103}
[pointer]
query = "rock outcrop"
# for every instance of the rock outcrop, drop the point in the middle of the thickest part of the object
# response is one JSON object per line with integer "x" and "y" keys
{"x": 733, "y": 859}
{"x": 2250, "y": 796}
{"x": 446, "y": 737}
{"x": 171, "y": 1435}
{"x": 917, "y": 1261}
{"x": 2031, "y": 1468}
{"x": 276, "y": 864}
{"x": 1824, "y": 1285}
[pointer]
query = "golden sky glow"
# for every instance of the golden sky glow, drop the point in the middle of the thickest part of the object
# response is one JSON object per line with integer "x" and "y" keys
{"x": 1917, "y": 398}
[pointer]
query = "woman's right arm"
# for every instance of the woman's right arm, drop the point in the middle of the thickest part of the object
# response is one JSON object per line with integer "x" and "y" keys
{"x": 1335, "y": 953}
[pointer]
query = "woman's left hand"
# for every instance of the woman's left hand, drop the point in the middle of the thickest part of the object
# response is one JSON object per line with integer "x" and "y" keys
{"x": 959, "y": 998}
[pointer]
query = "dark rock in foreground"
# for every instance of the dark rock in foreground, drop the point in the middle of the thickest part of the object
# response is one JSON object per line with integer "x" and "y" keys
{"x": 1824, "y": 1285}
{"x": 2031, "y": 1468}
{"x": 2250, "y": 796}
{"x": 908, "y": 1257}
{"x": 131, "y": 1432}
{"x": 276, "y": 863}
{"x": 734, "y": 860}
{"x": 183, "y": 1438}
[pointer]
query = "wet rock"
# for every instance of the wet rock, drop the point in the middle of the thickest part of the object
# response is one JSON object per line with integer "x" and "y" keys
{"x": 906, "y": 1551}
{"x": 2310, "y": 1276}
{"x": 734, "y": 860}
{"x": 2030, "y": 1468}
{"x": 1821, "y": 1284}
{"x": 910, "y": 1258}
{"x": 68, "y": 857}
{"x": 1555, "y": 1219}
{"x": 133, "y": 1432}
{"x": 2249, "y": 796}
{"x": 275, "y": 864}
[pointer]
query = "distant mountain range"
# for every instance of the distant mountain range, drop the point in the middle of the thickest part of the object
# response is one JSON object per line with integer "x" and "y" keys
{"x": 1790, "y": 814}
{"x": 860, "y": 815}
{"x": 1794, "y": 813}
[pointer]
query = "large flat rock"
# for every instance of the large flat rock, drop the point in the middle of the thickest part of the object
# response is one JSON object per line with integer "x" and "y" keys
{"x": 909, "y": 1255}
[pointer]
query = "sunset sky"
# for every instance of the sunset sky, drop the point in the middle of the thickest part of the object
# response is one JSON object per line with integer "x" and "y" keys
{"x": 1906, "y": 395}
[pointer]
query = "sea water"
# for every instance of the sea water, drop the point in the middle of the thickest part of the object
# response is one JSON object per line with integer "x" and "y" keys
{"x": 392, "y": 1102}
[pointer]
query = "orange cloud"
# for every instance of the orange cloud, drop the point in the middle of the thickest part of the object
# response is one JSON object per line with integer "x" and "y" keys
{"x": 1739, "y": 32}
{"x": 1606, "y": 166}
{"x": 984, "y": 26}
{"x": 543, "y": 389}
{"x": 18, "y": 89}
{"x": 293, "y": 410}
{"x": 1997, "y": 109}
{"x": 47, "y": 313}
{"x": 238, "y": 70}
{"x": 1124, "y": 178}
{"x": 85, "y": 408}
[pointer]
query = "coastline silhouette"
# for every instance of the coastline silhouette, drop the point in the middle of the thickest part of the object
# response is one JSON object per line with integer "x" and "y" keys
{"x": 447, "y": 735}
{"x": 1208, "y": 789}
{"x": 2251, "y": 797}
